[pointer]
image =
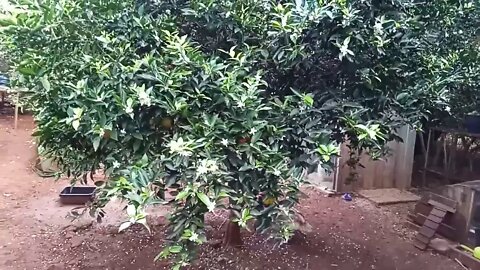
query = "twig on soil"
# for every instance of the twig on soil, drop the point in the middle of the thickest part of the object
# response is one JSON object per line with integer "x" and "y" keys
{"x": 461, "y": 264}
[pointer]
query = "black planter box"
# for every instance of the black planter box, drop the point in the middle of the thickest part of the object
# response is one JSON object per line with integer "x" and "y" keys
{"x": 77, "y": 195}
{"x": 472, "y": 123}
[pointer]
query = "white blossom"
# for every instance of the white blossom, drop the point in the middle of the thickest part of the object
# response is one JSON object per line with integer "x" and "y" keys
{"x": 144, "y": 98}
{"x": 344, "y": 48}
{"x": 202, "y": 168}
{"x": 253, "y": 131}
{"x": 129, "y": 107}
{"x": 193, "y": 237}
{"x": 185, "y": 153}
{"x": 207, "y": 165}
{"x": 212, "y": 165}
{"x": 241, "y": 104}
{"x": 378, "y": 28}
{"x": 211, "y": 207}
{"x": 143, "y": 95}
{"x": 224, "y": 142}
{"x": 129, "y": 110}
{"x": 6, "y": 6}
{"x": 116, "y": 164}
{"x": 179, "y": 146}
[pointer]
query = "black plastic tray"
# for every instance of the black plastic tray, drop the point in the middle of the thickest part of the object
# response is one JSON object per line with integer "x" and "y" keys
{"x": 77, "y": 195}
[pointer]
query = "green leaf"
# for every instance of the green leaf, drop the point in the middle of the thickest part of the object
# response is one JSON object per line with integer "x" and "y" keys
{"x": 245, "y": 213}
{"x": 143, "y": 221}
{"x": 131, "y": 210}
{"x": 162, "y": 255}
{"x": 323, "y": 149}
{"x": 175, "y": 249}
{"x": 76, "y": 124}
{"x": 136, "y": 145}
{"x": 7, "y": 20}
{"x": 96, "y": 143}
{"x": 137, "y": 136}
{"x": 26, "y": 71}
{"x": 182, "y": 195}
{"x": 45, "y": 83}
{"x": 204, "y": 198}
{"x": 114, "y": 135}
{"x": 308, "y": 100}
{"x": 148, "y": 77}
{"x": 255, "y": 212}
{"x": 124, "y": 226}
{"x": 144, "y": 160}
{"x": 77, "y": 113}
{"x": 402, "y": 96}
{"x": 256, "y": 136}
{"x": 103, "y": 39}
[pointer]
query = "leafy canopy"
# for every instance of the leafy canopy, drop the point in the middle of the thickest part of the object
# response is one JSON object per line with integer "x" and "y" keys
{"x": 448, "y": 57}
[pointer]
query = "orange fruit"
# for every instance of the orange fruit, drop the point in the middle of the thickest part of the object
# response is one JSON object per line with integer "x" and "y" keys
{"x": 269, "y": 201}
{"x": 243, "y": 140}
{"x": 107, "y": 134}
{"x": 166, "y": 122}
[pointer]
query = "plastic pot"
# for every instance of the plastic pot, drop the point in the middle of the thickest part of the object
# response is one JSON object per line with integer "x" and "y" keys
{"x": 77, "y": 195}
{"x": 472, "y": 123}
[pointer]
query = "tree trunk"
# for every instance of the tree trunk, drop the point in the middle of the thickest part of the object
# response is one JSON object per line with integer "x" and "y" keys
{"x": 232, "y": 237}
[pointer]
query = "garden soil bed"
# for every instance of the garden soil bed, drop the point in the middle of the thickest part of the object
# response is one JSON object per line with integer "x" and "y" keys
{"x": 35, "y": 233}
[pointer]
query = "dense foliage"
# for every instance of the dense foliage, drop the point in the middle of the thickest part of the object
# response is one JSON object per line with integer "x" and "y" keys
{"x": 445, "y": 81}
{"x": 224, "y": 103}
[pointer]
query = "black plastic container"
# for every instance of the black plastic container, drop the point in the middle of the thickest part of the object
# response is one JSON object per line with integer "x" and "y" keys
{"x": 77, "y": 195}
{"x": 472, "y": 123}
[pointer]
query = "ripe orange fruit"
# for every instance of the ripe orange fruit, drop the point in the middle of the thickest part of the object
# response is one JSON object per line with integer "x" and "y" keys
{"x": 243, "y": 140}
{"x": 107, "y": 134}
{"x": 269, "y": 201}
{"x": 166, "y": 122}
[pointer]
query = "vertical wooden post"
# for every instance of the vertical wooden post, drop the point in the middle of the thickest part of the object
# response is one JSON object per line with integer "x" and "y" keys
{"x": 232, "y": 235}
{"x": 445, "y": 158}
{"x": 16, "y": 116}
{"x": 425, "y": 163}
{"x": 452, "y": 159}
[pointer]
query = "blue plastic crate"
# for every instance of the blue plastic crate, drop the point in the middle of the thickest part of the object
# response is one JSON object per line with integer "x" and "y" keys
{"x": 4, "y": 80}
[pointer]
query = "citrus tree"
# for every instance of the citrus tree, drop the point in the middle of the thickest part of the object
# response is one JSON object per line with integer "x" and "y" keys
{"x": 444, "y": 74}
{"x": 224, "y": 104}
{"x": 448, "y": 57}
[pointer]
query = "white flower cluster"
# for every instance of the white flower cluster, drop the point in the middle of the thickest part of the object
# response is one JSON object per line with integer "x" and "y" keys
{"x": 144, "y": 96}
{"x": 6, "y": 6}
{"x": 224, "y": 142}
{"x": 129, "y": 108}
{"x": 206, "y": 166}
{"x": 179, "y": 146}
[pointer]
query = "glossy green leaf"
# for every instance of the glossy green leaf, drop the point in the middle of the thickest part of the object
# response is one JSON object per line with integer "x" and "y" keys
{"x": 96, "y": 142}
{"x": 45, "y": 83}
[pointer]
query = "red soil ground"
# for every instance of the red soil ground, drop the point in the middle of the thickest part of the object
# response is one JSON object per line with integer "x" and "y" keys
{"x": 34, "y": 233}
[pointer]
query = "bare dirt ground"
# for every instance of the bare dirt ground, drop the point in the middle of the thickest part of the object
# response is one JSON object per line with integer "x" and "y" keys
{"x": 35, "y": 233}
